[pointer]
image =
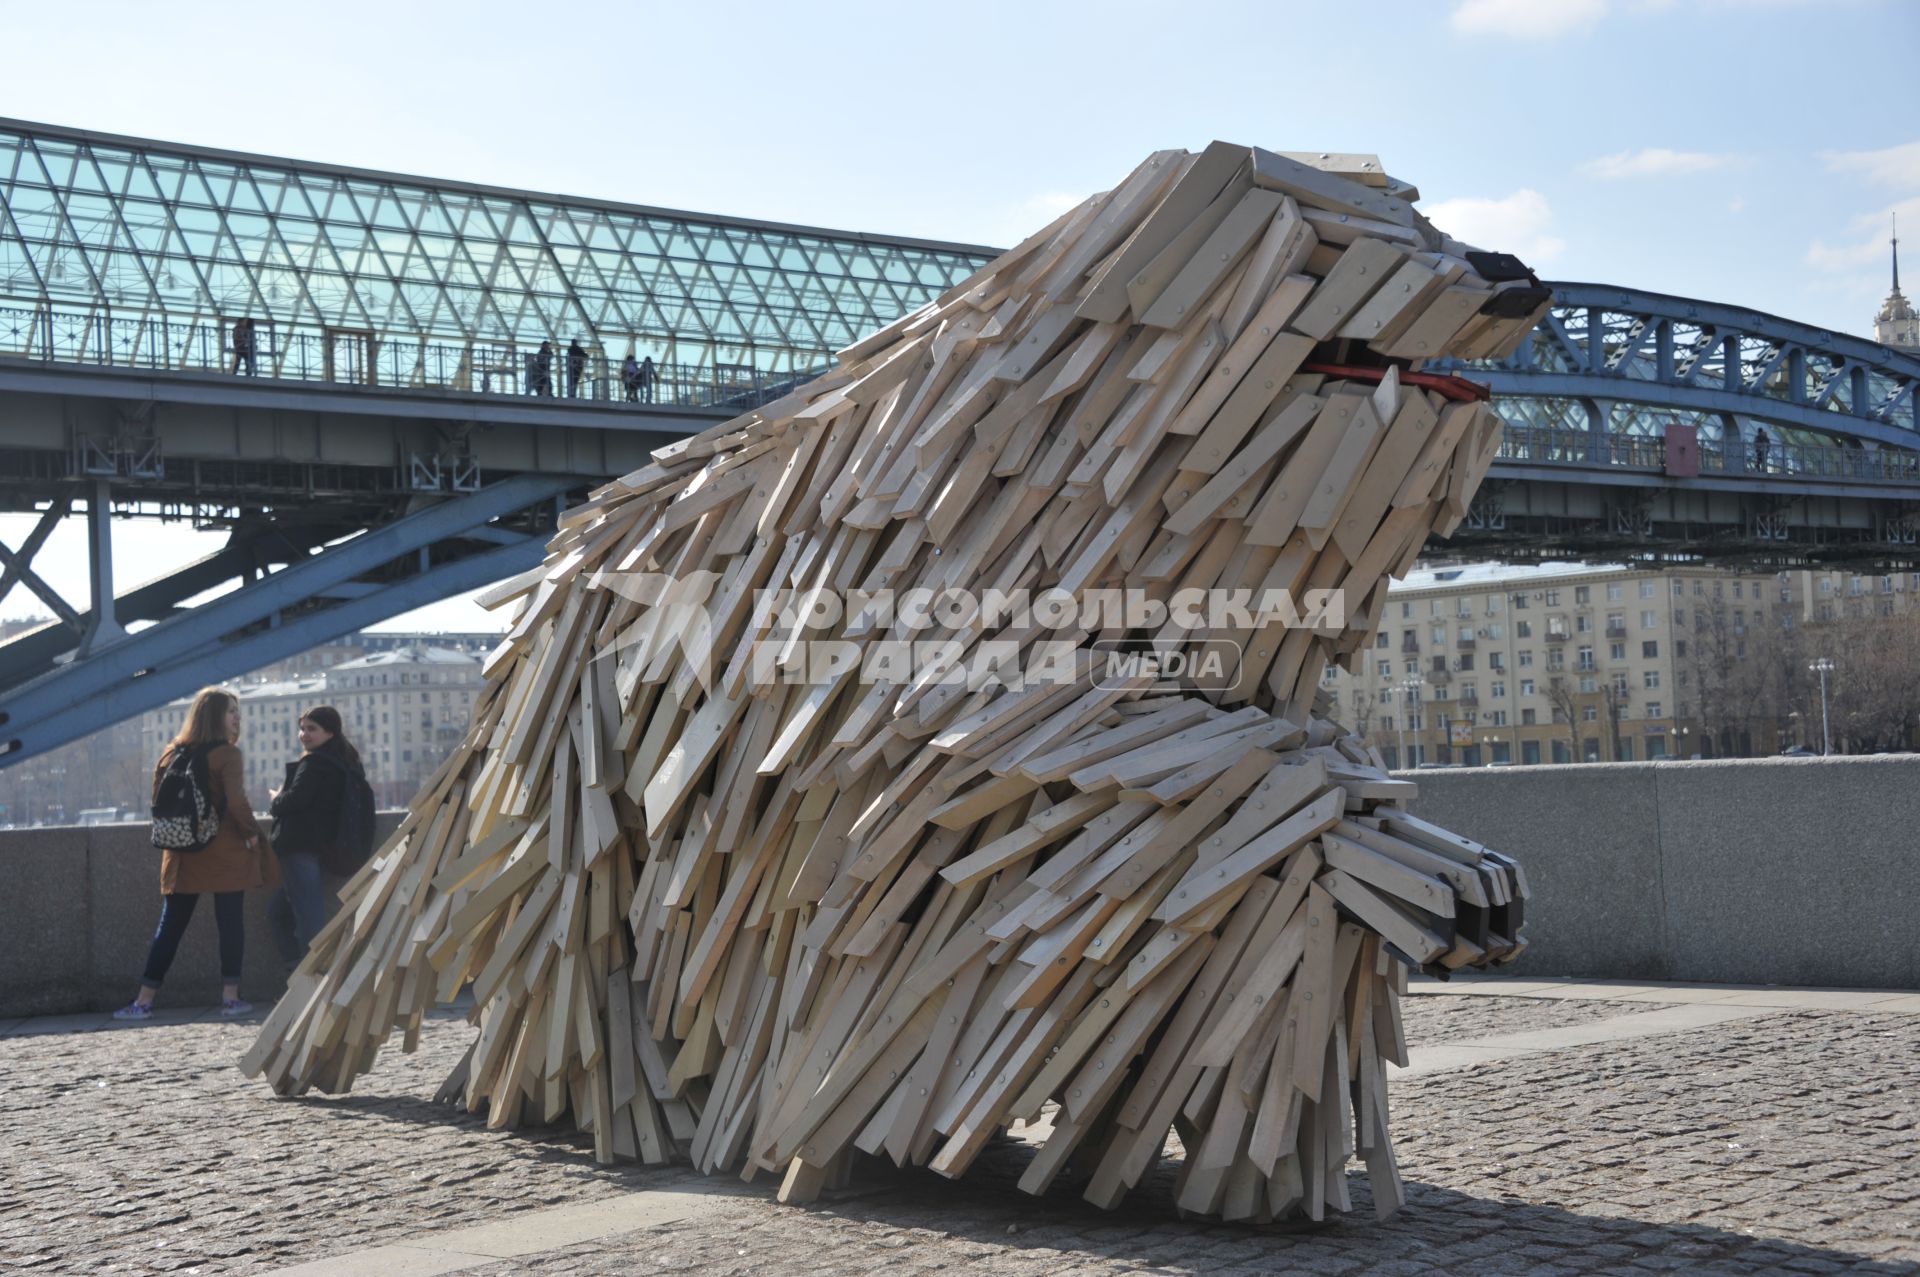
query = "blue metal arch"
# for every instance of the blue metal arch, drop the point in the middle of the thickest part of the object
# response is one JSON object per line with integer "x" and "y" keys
{"x": 1605, "y": 344}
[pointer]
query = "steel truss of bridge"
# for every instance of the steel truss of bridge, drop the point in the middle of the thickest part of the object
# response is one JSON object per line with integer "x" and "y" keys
{"x": 1646, "y": 427}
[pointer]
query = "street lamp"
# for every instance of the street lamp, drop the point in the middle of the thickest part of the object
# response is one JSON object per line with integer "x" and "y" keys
{"x": 1823, "y": 667}
{"x": 1411, "y": 686}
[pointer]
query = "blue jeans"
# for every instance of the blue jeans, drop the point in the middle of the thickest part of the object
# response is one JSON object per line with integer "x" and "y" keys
{"x": 176, "y": 911}
{"x": 300, "y": 907}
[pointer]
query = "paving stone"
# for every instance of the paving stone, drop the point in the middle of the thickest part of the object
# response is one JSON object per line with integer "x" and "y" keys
{"x": 1782, "y": 1143}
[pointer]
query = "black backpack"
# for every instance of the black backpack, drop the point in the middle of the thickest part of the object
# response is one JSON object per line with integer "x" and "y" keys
{"x": 186, "y": 814}
{"x": 352, "y": 844}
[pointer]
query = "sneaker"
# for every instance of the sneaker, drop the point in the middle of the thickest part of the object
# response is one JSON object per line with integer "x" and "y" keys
{"x": 135, "y": 1011}
{"x": 232, "y": 1008}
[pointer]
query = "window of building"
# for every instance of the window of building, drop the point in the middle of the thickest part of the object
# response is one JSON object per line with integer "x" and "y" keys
{"x": 1413, "y": 666}
{"x": 1650, "y": 678}
{"x": 1463, "y": 607}
{"x": 1406, "y": 611}
{"x": 1649, "y": 620}
{"x": 1416, "y": 722}
{"x": 1493, "y": 603}
{"x": 1527, "y": 717}
{"x": 1553, "y": 598}
{"x": 1469, "y": 691}
{"x": 1736, "y": 589}
{"x": 1523, "y": 629}
{"x": 1497, "y": 718}
{"x": 1585, "y": 660}
{"x": 1496, "y": 631}
{"x": 1588, "y": 685}
{"x": 1384, "y": 669}
{"x": 1555, "y": 659}
{"x": 1499, "y": 690}
{"x": 1496, "y": 660}
{"x": 1653, "y": 709}
{"x": 1520, "y": 600}
{"x": 1616, "y": 651}
{"x": 1440, "y": 665}
{"x": 1582, "y": 594}
{"x": 1623, "y": 750}
{"x": 1647, "y": 588}
{"x": 1590, "y": 749}
{"x": 1616, "y": 620}
{"x": 1433, "y": 607}
{"x": 1466, "y": 660}
{"x": 1530, "y": 752}
{"x": 1466, "y": 634}
{"x": 1583, "y": 624}
{"x": 1381, "y": 639}
{"x": 1613, "y": 591}
{"x": 1439, "y": 634}
{"x": 1699, "y": 589}
{"x": 1526, "y": 687}
{"x": 1650, "y": 650}
{"x": 1386, "y": 722}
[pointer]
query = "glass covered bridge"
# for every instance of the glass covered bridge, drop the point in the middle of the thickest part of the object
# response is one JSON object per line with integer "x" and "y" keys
{"x": 137, "y": 254}
{"x": 343, "y": 371}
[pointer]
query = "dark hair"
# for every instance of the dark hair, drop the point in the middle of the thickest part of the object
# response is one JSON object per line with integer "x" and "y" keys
{"x": 206, "y": 721}
{"x": 327, "y": 719}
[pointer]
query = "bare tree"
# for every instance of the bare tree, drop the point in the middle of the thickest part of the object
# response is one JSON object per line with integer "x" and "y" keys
{"x": 1566, "y": 709}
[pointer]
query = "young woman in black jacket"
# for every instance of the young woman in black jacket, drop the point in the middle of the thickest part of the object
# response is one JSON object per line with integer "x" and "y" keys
{"x": 306, "y": 815}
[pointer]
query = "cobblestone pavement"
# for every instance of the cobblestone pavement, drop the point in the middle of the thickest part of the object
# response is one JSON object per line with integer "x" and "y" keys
{"x": 1434, "y": 1018}
{"x": 1784, "y": 1143}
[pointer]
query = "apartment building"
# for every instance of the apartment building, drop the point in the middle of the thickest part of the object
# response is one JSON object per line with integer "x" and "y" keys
{"x": 404, "y": 709}
{"x": 1489, "y": 664}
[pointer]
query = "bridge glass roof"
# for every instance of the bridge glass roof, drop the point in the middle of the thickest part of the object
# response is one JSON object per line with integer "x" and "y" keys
{"x": 91, "y": 226}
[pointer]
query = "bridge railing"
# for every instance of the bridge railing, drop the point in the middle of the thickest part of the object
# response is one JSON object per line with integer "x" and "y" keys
{"x": 1542, "y": 445}
{"x": 357, "y": 357}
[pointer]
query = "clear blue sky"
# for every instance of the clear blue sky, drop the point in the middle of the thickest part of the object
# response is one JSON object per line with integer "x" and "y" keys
{"x": 1747, "y": 151}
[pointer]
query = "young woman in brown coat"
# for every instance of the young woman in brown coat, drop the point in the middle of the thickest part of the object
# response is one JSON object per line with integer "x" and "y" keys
{"x": 239, "y": 857}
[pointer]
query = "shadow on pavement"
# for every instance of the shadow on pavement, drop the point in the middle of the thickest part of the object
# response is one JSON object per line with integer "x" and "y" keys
{"x": 1441, "y": 1229}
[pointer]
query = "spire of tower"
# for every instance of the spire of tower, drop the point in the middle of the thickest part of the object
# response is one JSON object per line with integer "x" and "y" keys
{"x": 1896, "y": 252}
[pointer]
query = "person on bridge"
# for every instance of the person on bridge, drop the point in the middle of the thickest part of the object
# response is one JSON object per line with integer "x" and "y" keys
{"x": 1760, "y": 449}
{"x": 649, "y": 376}
{"x": 244, "y": 348}
{"x": 541, "y": 383}
{"x": 630, "y": 377}
{"x": 309, "y": 811}
{"x": 576, "y": 367}
{"x": 239, "y": 856}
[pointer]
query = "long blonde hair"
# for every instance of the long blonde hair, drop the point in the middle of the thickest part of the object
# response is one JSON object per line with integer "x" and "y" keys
{"x": 206, "y": 720}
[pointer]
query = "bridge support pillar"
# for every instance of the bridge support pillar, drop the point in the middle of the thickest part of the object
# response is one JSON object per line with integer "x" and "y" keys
{"x": 103, "y": 627}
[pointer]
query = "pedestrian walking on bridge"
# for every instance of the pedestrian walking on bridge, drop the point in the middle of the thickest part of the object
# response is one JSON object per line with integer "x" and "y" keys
{"x": 576, "y": 367}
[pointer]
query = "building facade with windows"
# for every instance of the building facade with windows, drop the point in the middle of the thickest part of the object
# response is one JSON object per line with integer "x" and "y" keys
{"x": 1491, "y": 664}
{"x": 404, "y": 709}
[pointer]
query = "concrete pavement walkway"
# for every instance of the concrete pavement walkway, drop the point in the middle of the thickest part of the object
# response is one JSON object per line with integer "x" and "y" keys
{"x": 1544, "y": 1126}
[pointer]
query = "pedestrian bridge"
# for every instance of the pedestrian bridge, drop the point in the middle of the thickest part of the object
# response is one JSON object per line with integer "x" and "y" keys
{"x": 386, "y": 436}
